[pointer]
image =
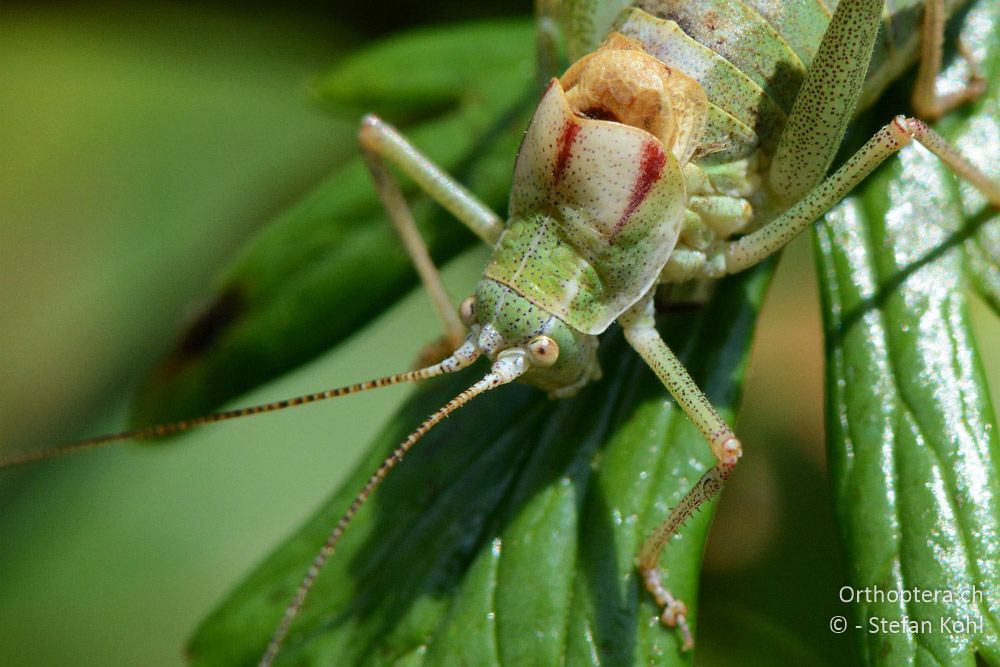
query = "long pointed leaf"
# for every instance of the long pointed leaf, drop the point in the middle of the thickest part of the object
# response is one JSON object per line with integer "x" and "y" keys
{"x": 912, "y": 438}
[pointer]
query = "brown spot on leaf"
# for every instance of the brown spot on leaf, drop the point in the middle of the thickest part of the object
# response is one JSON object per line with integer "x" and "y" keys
{"x": 210, "y": 325}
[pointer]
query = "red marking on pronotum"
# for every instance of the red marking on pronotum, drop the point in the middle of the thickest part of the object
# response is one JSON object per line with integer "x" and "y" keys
{"x": 653, "y": 159}
{"x": 566, "y": 139}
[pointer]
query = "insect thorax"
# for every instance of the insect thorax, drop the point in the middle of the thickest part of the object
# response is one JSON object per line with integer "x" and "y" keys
{"x": 613, "y": 173}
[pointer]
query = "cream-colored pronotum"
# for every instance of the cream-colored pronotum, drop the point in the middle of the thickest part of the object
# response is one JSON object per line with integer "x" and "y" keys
{"x": 691, "y": 144}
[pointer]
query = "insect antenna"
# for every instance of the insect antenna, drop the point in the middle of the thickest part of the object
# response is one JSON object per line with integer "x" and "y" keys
{"x": 505, "y": 369}
{"x": 459, "y": 359}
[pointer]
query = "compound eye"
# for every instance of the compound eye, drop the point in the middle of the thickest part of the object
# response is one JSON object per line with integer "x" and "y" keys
{"x": 543, "y": 350}
{"x": 467, "y": 311}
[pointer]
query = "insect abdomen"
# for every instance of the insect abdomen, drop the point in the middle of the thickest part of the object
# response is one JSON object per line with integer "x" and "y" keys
{"x": 751, "y": 55}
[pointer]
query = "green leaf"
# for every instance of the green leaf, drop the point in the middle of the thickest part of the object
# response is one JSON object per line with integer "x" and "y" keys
{"x": 508, "y": 536}
{"x": 912, "y": 439}
{"x": 327, "y": 266}
{"x": 977, "y": 134}
{"x": 982, "y": 252}
{"x": 417, "y": 76}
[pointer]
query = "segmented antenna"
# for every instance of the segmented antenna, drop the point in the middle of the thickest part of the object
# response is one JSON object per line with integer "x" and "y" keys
{"x": 459, "y": 359}
{"x": 504, "y": 371}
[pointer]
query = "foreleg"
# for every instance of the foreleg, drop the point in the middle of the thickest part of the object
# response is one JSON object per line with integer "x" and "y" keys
{"x": 767, "y": 240}
{"x": 927, "y": 103}
{"x": 381, "y": 143}
{"x": 641, "y": 333}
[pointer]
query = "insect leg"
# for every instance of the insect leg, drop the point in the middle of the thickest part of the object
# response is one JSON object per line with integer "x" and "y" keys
{"x": 547, "y": 40}
{"x": 381, "y": 143}
{"x": 927, "y": 103}
{"x": 826, "y": 100}
{"x": 755, "y": 247}
{"x": 684, "y": 264}
{"x": 641, "y": 333}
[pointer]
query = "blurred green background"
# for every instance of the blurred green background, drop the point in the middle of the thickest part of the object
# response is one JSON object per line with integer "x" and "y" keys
{"x": 139, "y": 146}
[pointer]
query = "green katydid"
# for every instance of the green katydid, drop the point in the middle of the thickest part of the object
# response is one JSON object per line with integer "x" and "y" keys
{"x": 678, "y": 173}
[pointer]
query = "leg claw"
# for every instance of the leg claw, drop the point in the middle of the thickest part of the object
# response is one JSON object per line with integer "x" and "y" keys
{"x": 675, "y": 616}
{"x": 674, "y": 611}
